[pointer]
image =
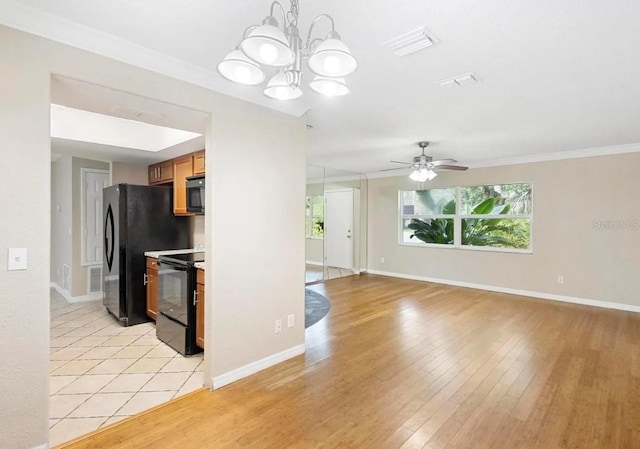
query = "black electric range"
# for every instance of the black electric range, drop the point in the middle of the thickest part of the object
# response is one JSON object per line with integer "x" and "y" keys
{"x": 177, "y": 298}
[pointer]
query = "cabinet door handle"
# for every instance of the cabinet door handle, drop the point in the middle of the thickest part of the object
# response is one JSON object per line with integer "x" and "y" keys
{"x": 195, "y": 297}
{"x": 145, "y": 279}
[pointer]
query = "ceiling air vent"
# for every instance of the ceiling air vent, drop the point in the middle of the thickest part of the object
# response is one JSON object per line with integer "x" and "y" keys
{"x": 411, "y": 42}
{"x": 460, "y": 80}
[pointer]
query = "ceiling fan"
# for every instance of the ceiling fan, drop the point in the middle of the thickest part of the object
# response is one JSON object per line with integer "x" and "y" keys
{"x": 424, "y": 167}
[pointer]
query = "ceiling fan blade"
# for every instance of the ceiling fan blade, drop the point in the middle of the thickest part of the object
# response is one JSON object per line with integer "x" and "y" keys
{"x": 443, "y": 162}
{"x": 405, "y": 163}
{"x": 451, "y": 167}
{"x": 399, "y": 168}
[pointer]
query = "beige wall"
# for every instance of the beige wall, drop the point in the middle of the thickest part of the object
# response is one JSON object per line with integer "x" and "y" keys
{"x": 61, "y": 212}
{"x": 129, "y": 173}
{"x": 25, "y": 222}
{"x": 258, "y": 259}
{"x": 251, "y": 284}
{"x": 78, "y": 271}
{"x": 568, "y": 197}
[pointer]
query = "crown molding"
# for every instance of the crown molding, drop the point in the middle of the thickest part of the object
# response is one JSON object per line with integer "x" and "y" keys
{"x": 560, "y": 155}
{"x": 533, "y": 158}
{"x": 55, "y": 28}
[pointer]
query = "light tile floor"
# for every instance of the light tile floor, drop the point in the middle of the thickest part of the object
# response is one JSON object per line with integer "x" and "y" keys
{"x": 101, "y": 372}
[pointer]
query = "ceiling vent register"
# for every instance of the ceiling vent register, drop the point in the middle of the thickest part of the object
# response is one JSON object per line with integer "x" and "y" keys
{"x": 411, "y": 42}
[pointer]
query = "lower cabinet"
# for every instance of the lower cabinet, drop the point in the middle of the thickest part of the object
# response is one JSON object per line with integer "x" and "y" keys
{"x": 200, "y": 309}
{"x": 151, "y": 280}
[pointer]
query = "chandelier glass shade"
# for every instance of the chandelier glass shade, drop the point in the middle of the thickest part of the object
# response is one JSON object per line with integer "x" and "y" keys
{"x": 238, "y": 68}
{"x": 270, "y": 46}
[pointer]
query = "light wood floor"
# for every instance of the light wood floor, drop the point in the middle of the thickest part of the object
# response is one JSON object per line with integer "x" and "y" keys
{"x": 405, "y": 364}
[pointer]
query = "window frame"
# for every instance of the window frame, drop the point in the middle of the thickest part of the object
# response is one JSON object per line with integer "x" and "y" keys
{"x": 457, "y": 222}
{"x": 310, "y": 216}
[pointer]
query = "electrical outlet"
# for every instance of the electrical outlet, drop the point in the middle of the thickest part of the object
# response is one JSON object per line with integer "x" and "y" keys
{"x": 278, "y": 326}
{"x": 382, "y": 260}
{"x": 290, "y": 320}
{"x": 560, "y": 279}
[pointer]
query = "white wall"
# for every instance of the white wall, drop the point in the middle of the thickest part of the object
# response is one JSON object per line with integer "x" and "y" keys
{"x": 253, "y": 280}
{"x": 61, "y": 212}
{"x": 569, "y": 196}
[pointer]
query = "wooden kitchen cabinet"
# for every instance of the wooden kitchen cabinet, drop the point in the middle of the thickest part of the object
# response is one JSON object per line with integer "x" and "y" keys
{"x": 198, "y": 163}
{"x": 154, "y": 174}
{"x": 152, "y": 287}
{"x": 200, "y": 309}
{"x": 161, "y": 173}
{"x": 182, "y": 169}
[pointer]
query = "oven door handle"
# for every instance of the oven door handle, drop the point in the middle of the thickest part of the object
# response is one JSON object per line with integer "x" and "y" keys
{"x": 195, "y": 297}
{"x": 173, "y": 266}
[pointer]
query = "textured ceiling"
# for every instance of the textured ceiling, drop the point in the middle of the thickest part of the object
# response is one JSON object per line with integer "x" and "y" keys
{"x": 555, "y": 75}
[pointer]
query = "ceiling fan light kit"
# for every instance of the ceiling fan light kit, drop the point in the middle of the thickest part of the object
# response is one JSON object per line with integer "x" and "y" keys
{"x": 269, "y": 45}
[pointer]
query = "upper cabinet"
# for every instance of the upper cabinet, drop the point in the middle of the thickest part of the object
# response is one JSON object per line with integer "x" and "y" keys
{"x": 161, "y": 173}
{"x": 198, "y": 163}
{"x": 182, "y": 169}
{"x": 177, "y": 171}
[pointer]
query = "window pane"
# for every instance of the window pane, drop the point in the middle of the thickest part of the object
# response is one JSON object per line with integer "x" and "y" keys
{"x": 435, "y": 202}
{"x": 306, "y": 226}
{"x": 496, "y": 199}
{"x": 428, "y": 230}
{"x": 317, "y": 229}
{"x": 496, "y": 232}
{"x": 318, "y": 205}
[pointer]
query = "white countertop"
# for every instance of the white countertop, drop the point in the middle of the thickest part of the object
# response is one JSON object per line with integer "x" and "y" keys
{"x": 169, "y": 252}
{"x": 199, "y": 265}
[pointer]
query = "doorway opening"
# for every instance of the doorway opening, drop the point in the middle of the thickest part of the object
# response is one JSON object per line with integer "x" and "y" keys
{"x": 101, "y": 371}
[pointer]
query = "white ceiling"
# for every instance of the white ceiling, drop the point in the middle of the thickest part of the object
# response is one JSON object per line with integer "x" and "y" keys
{"x": 556, "y": 76}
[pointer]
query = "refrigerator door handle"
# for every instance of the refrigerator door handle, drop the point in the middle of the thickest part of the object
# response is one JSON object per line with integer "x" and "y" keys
{"x": 109, "y": 244}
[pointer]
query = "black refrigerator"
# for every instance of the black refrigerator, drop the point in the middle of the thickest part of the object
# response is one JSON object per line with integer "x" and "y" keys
{"x": 136, "y": 219}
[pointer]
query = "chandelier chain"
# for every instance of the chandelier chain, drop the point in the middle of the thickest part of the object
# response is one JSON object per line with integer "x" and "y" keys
{"x": 292, "y": 15}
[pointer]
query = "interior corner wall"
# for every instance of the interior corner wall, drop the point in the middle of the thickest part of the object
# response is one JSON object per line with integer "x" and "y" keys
{"x": 586, "y": 227}
{"x": 79, "y": 273}
{"x": 250, "y": 283}
{"x": 61, "y": 209}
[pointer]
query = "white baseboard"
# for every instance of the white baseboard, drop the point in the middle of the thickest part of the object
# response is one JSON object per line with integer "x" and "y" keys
{"x": 311, "y": 262}
{"x": 74, "y": 299}
{"x": 513, "y": 291}
{"x": 254, "y": 367}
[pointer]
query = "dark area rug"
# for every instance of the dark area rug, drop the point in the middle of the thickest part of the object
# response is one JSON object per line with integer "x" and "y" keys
{"x": 316, "y": 307}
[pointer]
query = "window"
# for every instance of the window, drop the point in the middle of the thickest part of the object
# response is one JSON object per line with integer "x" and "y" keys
{"x": 314, "y": 222}
{"x": 488, "y": 216}
{"x": 428, "y": 216}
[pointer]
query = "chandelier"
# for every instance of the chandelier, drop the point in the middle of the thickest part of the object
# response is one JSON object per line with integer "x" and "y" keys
{"x": 329, "y": 59}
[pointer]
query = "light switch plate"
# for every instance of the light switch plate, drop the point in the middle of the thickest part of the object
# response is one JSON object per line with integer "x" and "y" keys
{"x": 17, "y": 259}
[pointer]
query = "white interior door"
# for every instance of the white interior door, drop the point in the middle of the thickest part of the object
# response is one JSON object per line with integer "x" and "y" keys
{"x": 94, "y": 183}
{"x": 338, "y": 228}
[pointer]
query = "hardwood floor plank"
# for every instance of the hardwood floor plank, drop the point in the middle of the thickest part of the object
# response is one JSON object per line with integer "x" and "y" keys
{"x": 406, "y": 364}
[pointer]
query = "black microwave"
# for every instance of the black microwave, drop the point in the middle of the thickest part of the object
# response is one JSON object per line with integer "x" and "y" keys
{"x": 195, "y": 194}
